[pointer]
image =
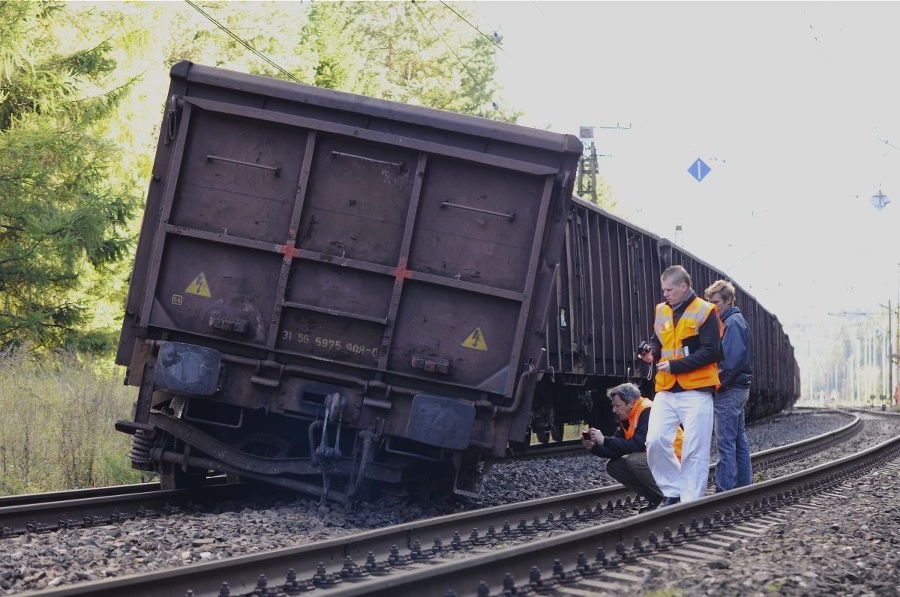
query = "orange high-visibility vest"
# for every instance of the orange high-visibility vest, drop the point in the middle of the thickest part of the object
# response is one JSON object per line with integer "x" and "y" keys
{"x": 639, "y": 406}
{"x": 672, "y": 338}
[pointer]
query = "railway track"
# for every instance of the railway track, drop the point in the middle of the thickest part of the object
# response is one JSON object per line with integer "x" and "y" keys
{"x": 362, "y": 563}
{"x": 613, "y": 558}
{"x": 52, "y": 511}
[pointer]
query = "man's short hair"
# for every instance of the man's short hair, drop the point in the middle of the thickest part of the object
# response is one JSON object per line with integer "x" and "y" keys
{"x": 723, "y": 288}
{"x": 628, "y": 392}
{"x": 677, "y": 274}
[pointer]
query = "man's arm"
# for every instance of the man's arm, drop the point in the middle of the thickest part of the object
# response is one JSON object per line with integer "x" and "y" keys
{"x": 617, "y": 445}
{"x": 736, "y": 360}
{"x": 656, "y": 345}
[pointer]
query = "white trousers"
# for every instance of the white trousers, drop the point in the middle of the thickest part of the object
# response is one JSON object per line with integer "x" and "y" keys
{"x": 694, "y": 411}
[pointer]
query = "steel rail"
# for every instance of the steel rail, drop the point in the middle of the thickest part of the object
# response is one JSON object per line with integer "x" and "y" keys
{"x": 558, "y": 556}
{"x": 46, "y": 512}
{"x": 410, "y": 543}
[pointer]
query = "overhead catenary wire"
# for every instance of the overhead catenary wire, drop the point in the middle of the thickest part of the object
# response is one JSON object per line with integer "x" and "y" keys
{"x": 241, "y": 41}
{"x": 291, "y": 76}
{"x": 443, "y": 39}
{"x": 888, "y": 143}
{"x": 491, "y": 39}
{"x": 449, "y": 47}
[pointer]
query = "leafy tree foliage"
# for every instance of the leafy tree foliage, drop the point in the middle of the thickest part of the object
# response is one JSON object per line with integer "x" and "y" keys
{"x": 423, "y": 53}
{"x": 62, "y": 216}
{"x": 81, "y": 98}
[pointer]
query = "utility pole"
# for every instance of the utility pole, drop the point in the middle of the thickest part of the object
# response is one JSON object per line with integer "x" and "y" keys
{"x": 889, "y": 392}
{"x": 588, "y": 166}
{"x": 890, "y": 388}
{"x": 895, "y": 394}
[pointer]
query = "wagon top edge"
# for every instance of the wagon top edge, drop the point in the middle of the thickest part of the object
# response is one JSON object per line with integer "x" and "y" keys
{"x": 376, "y": 108}
{"x": 665, "y": 244}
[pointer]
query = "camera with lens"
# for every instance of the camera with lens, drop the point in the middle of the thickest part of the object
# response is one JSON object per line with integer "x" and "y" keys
{"x": 643, "y": 348}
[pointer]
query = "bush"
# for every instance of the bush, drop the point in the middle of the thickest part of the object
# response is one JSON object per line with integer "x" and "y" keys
{"x": 58, "y": 431}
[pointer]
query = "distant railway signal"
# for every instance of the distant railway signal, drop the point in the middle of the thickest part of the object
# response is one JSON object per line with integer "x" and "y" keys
{"x": 699, "y": 169}
{"x": 879, "y": 200}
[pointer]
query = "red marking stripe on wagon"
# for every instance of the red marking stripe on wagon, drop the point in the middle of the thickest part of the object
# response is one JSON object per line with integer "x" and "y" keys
{"x": 401, "y": 273}
{"x": 289, "y": 250}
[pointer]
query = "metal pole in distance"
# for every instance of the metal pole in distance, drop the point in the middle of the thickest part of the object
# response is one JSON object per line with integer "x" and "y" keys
{"x": 890, "y": 363}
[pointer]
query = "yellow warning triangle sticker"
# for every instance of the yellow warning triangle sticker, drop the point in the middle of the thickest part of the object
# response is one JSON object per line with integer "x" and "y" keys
{"x": 199, "y": 286}
{"x": 475, "y": 340}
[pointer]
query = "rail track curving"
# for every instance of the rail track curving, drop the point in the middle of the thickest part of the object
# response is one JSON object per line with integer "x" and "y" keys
{"x": 443, "y": 547}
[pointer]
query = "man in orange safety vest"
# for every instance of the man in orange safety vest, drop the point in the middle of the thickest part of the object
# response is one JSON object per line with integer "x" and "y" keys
{"x": 626, "y": 449}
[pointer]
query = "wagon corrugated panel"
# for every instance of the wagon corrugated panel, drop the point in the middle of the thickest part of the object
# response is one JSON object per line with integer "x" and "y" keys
{"x": 702, "y": 273}
{"x": 354, "y": 236}
{"x": 609, "y": 281}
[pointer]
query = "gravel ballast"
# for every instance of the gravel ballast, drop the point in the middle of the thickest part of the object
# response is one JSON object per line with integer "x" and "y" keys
{"x": 35, "y": 561}
{"x": 846, "y": 546}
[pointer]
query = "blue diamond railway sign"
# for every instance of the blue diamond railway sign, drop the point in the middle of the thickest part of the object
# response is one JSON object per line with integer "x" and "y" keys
{"x": 699, "y": 169}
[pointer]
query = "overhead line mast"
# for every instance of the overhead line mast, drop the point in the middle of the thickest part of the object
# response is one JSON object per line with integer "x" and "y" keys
{"x": 588, "y": 167}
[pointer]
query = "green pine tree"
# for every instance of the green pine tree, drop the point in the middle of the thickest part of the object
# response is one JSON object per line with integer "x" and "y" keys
{"x": 63, "y": 216}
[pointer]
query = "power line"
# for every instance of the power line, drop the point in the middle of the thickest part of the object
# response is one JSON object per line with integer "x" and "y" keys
{"x": 446, "y": 43}
{"x": 452, "y": 51}
{"x": 888, "y": 143}
{"x": 492, "y": 39}
{"x": 241, "y": 41}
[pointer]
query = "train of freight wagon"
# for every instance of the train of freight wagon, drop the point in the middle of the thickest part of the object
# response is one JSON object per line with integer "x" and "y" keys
{"x": 343, "y": 295}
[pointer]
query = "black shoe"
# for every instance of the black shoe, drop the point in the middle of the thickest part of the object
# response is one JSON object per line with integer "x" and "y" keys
{"x": 651, "y": 505}
{"x": 671, "y": 501}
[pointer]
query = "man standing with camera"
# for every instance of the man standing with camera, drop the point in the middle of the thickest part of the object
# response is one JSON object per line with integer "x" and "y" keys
{"x": 626, "y": 448}
{"x": 686, "y": 345}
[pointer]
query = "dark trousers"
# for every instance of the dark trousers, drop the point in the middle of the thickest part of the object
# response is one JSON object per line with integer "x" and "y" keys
{"x": 632, "y": 471}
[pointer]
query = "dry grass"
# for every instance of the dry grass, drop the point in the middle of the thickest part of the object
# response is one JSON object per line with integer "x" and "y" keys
{"x": 57, "y": 428}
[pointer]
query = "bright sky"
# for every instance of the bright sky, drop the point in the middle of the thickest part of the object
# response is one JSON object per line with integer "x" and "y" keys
{"x": 794, "y": 106}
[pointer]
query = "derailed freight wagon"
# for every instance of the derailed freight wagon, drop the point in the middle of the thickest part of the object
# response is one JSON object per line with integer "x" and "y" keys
{"x": 331, "y": 289}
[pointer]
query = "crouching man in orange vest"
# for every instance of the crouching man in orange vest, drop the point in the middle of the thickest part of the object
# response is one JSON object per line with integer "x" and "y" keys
{"x": 626, "y": 449}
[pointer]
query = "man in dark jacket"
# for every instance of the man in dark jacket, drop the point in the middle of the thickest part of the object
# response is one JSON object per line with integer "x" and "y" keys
{"x": 735, "y": 374}
{"x": 626, "y": 449}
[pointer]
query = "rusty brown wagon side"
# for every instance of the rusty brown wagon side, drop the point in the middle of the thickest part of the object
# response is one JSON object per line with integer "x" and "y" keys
{"x": 331, "y": 288}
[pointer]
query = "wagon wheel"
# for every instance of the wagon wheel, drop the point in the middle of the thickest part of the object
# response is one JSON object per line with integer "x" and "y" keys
{"x": 543, "y": 436}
